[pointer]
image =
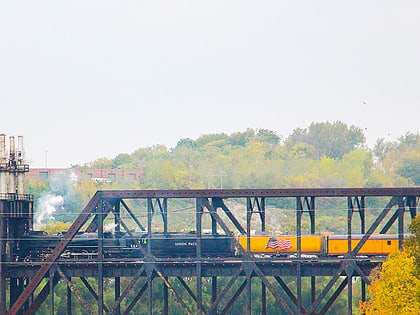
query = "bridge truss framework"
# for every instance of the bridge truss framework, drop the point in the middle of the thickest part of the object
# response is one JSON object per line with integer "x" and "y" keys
{"x": 31, "y": 285}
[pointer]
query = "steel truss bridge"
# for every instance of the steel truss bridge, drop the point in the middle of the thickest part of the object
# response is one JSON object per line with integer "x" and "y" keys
{"x": 33, "y": 284}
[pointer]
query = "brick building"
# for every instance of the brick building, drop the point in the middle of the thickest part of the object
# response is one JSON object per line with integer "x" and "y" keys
{"x": 96, "y": 174}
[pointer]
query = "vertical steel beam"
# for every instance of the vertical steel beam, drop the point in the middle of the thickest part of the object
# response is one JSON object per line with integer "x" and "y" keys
{"x": 165, "y": 298}
{"x": 163, "y": 207}
{"x": 401, "y": 210}
{"x": 349, "y": 295}
{"x": 213, "y": 292}
{"x": 262, "y": 214}
{"x": 100, "y": 217}
{"x": 2, "y": 259}
{"x": 362, "y": 214}
{"x": 69, "y": 309}
{"x": 117, "y": 293}
{"x": 198, "y": 217}
{"x": 311, "y": 210}
{"x": 363, "y": 284}
{"x": 248, "y": 293}
{"x": 412, "y": 205}
{"x": 117, "y": 280}
{"x": 263, "y": 299}
{"x": 313, "y": 289}
{"x": 52, "y": 274}
{"x": 349, "y": 221}
{"x": 248, "y": 224}
{"x": 150, "y": 289}
{"x": 299, "y": 211}
{"x": 150, "y": 211}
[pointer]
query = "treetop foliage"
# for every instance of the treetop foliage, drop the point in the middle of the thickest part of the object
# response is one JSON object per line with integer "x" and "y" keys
{"x": 321, "y": 155}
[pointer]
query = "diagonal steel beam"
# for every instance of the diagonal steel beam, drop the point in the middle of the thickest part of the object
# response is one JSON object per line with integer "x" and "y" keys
{"x": 99, "y": 217}
{"x": 361, "y": 274}
{"x": 172, "y": 289}
{"x": 325, "y": 291}
{"x": 232, "y": 280}
{"x": 190, "y": 292}
{"x": 271, "y": 288}
{"x": 127, "y": 208}
{"x": 218, "y": 203}
{"x": 92, "y": 292}
{"x": 127, "y": 289}
{"x": 135, "y": 300}
{"x": 121, "y": 222}
{"x": 73, "y": 289}
{"x": 225, "y": 228}
{"x": 41, "y": 297}
{"x": 187, "y": 287}
{"x": 392, "y": 220}
{"x": 289, "y": 293}
{"x": 234, "y": 298}
{"x": 37, "y": 278}
{"x": 394, "y": 201}
{"x": 335, "y": 295}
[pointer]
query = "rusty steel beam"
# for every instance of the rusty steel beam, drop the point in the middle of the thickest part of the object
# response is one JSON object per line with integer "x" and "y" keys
{"x": 76, "y": 292}
{"x": 106, "y": 200}
{"x": 41, "y": 297}
{"x": 36, "y": 280}
{"x": 243, "y": 193}
{"x": 92, "y": 292}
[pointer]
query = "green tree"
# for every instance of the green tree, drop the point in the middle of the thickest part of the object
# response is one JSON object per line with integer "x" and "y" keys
{"x": 330, "y": 139}
{"x": 121, "y": 160}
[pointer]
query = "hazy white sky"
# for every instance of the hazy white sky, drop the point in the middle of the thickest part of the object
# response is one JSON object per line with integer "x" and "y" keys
{"x": 90, "y": 79}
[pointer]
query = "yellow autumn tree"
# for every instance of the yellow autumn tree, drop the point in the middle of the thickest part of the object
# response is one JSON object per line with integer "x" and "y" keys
{"x": 396, "y": 289}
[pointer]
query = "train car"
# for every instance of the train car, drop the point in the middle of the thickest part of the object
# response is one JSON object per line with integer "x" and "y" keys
{"x": 377, "y": 244}
{"x": 182, "y": 244}
{"x": 283, "y": 245}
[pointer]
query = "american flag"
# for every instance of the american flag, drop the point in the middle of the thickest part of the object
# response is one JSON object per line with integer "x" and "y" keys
{"x": 274, "y": 242}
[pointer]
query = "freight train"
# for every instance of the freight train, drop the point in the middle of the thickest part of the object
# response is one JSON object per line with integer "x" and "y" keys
{"x": 37, "y": 245}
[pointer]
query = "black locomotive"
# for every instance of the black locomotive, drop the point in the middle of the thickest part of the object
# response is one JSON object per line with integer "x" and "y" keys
{"x": 38, "y": 246}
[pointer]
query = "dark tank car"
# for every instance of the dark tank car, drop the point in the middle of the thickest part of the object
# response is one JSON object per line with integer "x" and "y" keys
{"x": 182, "y": 244}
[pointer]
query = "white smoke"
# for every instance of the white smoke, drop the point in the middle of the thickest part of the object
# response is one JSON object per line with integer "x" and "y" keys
{"x": 110, "y": 227}
{"x": 48, "y": 204}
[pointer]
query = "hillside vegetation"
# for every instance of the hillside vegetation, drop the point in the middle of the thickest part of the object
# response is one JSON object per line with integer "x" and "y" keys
{"x": 321, "y": 155}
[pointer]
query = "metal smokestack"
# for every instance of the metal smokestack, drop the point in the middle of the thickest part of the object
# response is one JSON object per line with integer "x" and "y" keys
{"x": 12, "y": 165}
{"x": 21, "y": 167}
{"x": 3, "y": 164}
{"x": 19, "y": 152}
